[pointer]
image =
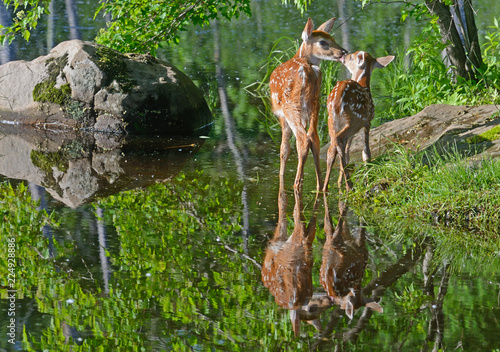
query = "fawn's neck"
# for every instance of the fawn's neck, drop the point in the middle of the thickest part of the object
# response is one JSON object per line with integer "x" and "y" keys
{"x": 363, "y": 78}
{"x": 305, "y": 52}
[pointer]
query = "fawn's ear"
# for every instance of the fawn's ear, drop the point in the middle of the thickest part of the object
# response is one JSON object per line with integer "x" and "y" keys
{"x": 316, "y": 323}
{"x": 295, "y": 322}
{"x": 360, "y": 58}
{"x": 349, "y": 310}
{"x": 306, "y": 33}
{"x": 328, "y": 25}
{"x": 375, "y": 306}
{"x": 382, "y": 62}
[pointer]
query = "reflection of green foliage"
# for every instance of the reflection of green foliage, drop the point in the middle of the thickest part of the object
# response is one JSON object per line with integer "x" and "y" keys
{"x": 174, "y": 276}
{"x": 21, "y": 220}
{"x": 176, "y": 281}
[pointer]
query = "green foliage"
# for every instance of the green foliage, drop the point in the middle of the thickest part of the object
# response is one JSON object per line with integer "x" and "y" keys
{"x": 141, "y": 26}
{"x": 300, "y": 4}
{"x": 26, "y": 16}
{"x": 136, "y": 25}
{"x": 418, "y": 78}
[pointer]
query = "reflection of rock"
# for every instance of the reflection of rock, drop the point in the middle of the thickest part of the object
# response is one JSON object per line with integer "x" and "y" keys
{"x": 107, "y": 165}
{"x": 83, "y": 84}
{"x": 76, "y": 169}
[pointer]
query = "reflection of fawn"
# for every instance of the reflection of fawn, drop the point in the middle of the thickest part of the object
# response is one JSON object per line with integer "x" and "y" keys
{"x": 287, "y": 267}
{"x": 344, "y": 261}
{"x": 350, "y": 108}
{"x": 295, "y": 89}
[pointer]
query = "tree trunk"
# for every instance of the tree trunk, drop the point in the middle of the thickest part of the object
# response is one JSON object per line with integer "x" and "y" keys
{"x": 450, "y": 37}
{"x": 463, "y": 50}
{"x": 474, "y": 48}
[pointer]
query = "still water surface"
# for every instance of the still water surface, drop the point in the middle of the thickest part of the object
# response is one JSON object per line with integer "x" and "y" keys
{"x": 160, "y": 242}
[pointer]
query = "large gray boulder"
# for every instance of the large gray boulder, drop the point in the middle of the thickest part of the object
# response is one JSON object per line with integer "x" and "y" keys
{"x": 85, "y": 85}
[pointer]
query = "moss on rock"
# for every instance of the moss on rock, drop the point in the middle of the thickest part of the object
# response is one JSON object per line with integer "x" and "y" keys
{"x": 46, "y": 92}
{"x": 114, "y": 66}
{"x": 488, "y": 136}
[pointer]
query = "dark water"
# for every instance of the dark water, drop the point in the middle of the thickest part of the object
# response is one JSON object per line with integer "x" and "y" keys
{"x": 159, "y": 243}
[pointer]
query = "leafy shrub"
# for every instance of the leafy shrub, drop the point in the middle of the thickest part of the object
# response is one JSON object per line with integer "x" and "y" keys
{"x": 418, "y": 78}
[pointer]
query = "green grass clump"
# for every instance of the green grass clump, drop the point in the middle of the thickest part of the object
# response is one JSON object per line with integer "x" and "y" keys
{"x": 426, "y": 186}
{"x": 488, "y": 136}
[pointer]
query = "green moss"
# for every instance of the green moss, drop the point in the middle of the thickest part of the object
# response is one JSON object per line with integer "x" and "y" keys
{"x": 46, "y": 161}
{"x": 114, "y": 66}
{"x": 488, "y": 136}
{"x": 55, "y": 66}
{"x": 46, "y": 92}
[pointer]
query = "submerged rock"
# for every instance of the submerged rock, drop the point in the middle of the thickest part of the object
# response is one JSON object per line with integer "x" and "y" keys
{"x": 85, "y": 85}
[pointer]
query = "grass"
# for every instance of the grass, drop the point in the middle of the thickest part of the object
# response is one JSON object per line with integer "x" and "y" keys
{"x": 442, "y": 189}
{"x": 488, "y": 136}
{"x": 446, "y": 201}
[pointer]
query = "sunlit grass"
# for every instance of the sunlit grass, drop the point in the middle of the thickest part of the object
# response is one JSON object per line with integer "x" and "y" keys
{"x": 447, "y": 201}
{"x": 444, "y": 188}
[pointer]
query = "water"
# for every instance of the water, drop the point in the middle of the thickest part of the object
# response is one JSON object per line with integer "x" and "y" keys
{"x": 158, "y": 243}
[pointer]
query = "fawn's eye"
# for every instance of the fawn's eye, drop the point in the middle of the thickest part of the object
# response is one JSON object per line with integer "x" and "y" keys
{"x": 323, "y": 43}
{"x": 313, "y": 309}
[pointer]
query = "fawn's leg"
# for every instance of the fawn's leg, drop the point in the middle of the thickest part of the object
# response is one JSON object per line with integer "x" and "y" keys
{"x": 314, "y": 140}
{"x": 366, "y": 150}
{"x": 303, "y": 144}
{"x": 330, "y": 159}
{"x": 286, "y": 133}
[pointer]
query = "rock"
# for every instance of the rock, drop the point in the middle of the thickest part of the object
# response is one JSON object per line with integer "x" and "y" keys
{"x": 85, "y": 85}
{"x": 437, "y": 125}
